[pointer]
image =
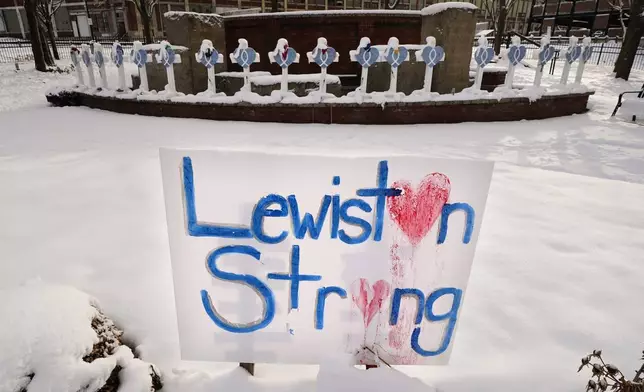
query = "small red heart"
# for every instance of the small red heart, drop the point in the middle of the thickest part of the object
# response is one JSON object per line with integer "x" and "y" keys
{"x": 416, "y": 211}
{"x": 368, "y": 298}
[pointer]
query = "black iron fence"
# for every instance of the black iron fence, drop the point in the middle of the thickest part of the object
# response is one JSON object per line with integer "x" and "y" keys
{"x": 605, "y": 49}
{"x": 15, "y": 49}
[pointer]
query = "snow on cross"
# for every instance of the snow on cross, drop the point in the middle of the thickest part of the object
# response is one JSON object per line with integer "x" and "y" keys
{"x": 208, "y": 56}
{"x": 284, "y": 56}
{"x": 244, "y": 56}
{"x": 431, "y": 55}
{"x": 323, "y": 55}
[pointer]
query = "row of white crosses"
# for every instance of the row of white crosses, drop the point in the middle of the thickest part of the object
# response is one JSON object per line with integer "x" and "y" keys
{"x": 517, "y": 52}
{"x": 366, "y": 56}
{"x": 573, "y": 52}
{"x": 85, "y": 55}
{"x": 576, "y": 52}
{"x": 282, "y": 55}
{"x": 323, "y": 55}
{"x": 138, "y": 56}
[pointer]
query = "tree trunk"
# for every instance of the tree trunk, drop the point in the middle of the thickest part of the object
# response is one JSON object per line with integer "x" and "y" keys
{"x": 34, "y": 35}
{"x": 500, "y": 27}
{"x": 49, "y": 60}
{"x": 145, "y": 20}
{"x": 631, "y": 41}
{"x": 52, "y": 39}
{"x": 274, "y": 6}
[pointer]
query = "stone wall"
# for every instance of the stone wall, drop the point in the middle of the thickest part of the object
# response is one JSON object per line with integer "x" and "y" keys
{"x": 454, "y": 30}
{"x": 189, "y": 29}
{"x": 342, "y": 30}
{"x": 157, "y": 75}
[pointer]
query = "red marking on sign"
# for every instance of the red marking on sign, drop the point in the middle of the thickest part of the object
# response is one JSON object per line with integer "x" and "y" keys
{"x": 397, "y": 267}
{"x": 368, "y": 298}
{"x": 415, "y": 211}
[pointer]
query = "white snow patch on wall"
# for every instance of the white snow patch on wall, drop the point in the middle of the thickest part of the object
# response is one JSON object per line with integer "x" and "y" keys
{"x": 234, "y": 74}
{"x": 158, "y": 47}
{"x": 209, "y": 19}
{"x": 440, "y": 7}
{"x": 296, "y": 14}
{"x": 267, "y": 80}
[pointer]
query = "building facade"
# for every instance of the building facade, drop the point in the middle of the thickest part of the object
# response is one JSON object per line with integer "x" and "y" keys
{"x": 579, "y": 17}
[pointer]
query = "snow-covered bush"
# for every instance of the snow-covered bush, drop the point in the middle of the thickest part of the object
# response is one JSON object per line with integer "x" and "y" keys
{"x": 56, "y": 339}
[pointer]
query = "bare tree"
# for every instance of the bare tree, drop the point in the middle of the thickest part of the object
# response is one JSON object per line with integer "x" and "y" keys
{"x": 622, "y": 7}
{"x": 49, "y": 59}
{"x": 46, "y": 10}
{"x": 631, "y": 42}
{"x": 146, "y": 10}
{"x": 498, "y": 11}
{"x": 34, "y": 35}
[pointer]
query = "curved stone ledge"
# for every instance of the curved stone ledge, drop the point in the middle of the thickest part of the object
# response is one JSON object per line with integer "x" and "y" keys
{"x": 430, "y": 112}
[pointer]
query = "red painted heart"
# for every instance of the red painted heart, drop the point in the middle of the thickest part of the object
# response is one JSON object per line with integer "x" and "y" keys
{"x": 416, "y": 211}
{"x": 368, "y": 298}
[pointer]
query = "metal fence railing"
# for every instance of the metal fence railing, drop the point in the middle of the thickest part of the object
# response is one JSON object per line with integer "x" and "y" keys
{"x": 605, "y": 49}
{"x": 19, "y": 49}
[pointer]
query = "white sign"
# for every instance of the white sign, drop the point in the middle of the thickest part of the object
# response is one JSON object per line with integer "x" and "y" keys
{"x": 296, "y": 259}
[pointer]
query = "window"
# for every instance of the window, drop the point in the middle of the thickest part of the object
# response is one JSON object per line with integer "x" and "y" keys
{"x": 3, "y": 25}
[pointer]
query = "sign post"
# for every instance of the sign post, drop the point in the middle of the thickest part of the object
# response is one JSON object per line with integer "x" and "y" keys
{"x": 312, "y": 258}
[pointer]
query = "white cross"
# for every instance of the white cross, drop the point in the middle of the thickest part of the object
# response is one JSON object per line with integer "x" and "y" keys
{"x": 205, "y": 50}
{"x": 282, "y": 49}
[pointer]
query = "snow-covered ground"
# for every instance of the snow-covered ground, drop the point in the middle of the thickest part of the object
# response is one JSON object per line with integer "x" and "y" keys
{"x": 559, "y": 268}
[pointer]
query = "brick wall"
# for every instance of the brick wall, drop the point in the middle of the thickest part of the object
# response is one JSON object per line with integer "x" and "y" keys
{"x": 511, "y": 109}
{"x": 343, "y": 33}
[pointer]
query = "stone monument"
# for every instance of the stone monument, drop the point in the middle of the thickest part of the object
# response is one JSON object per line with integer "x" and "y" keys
{"x": 453, "y": 27}
{"x": 189, "y": 29}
